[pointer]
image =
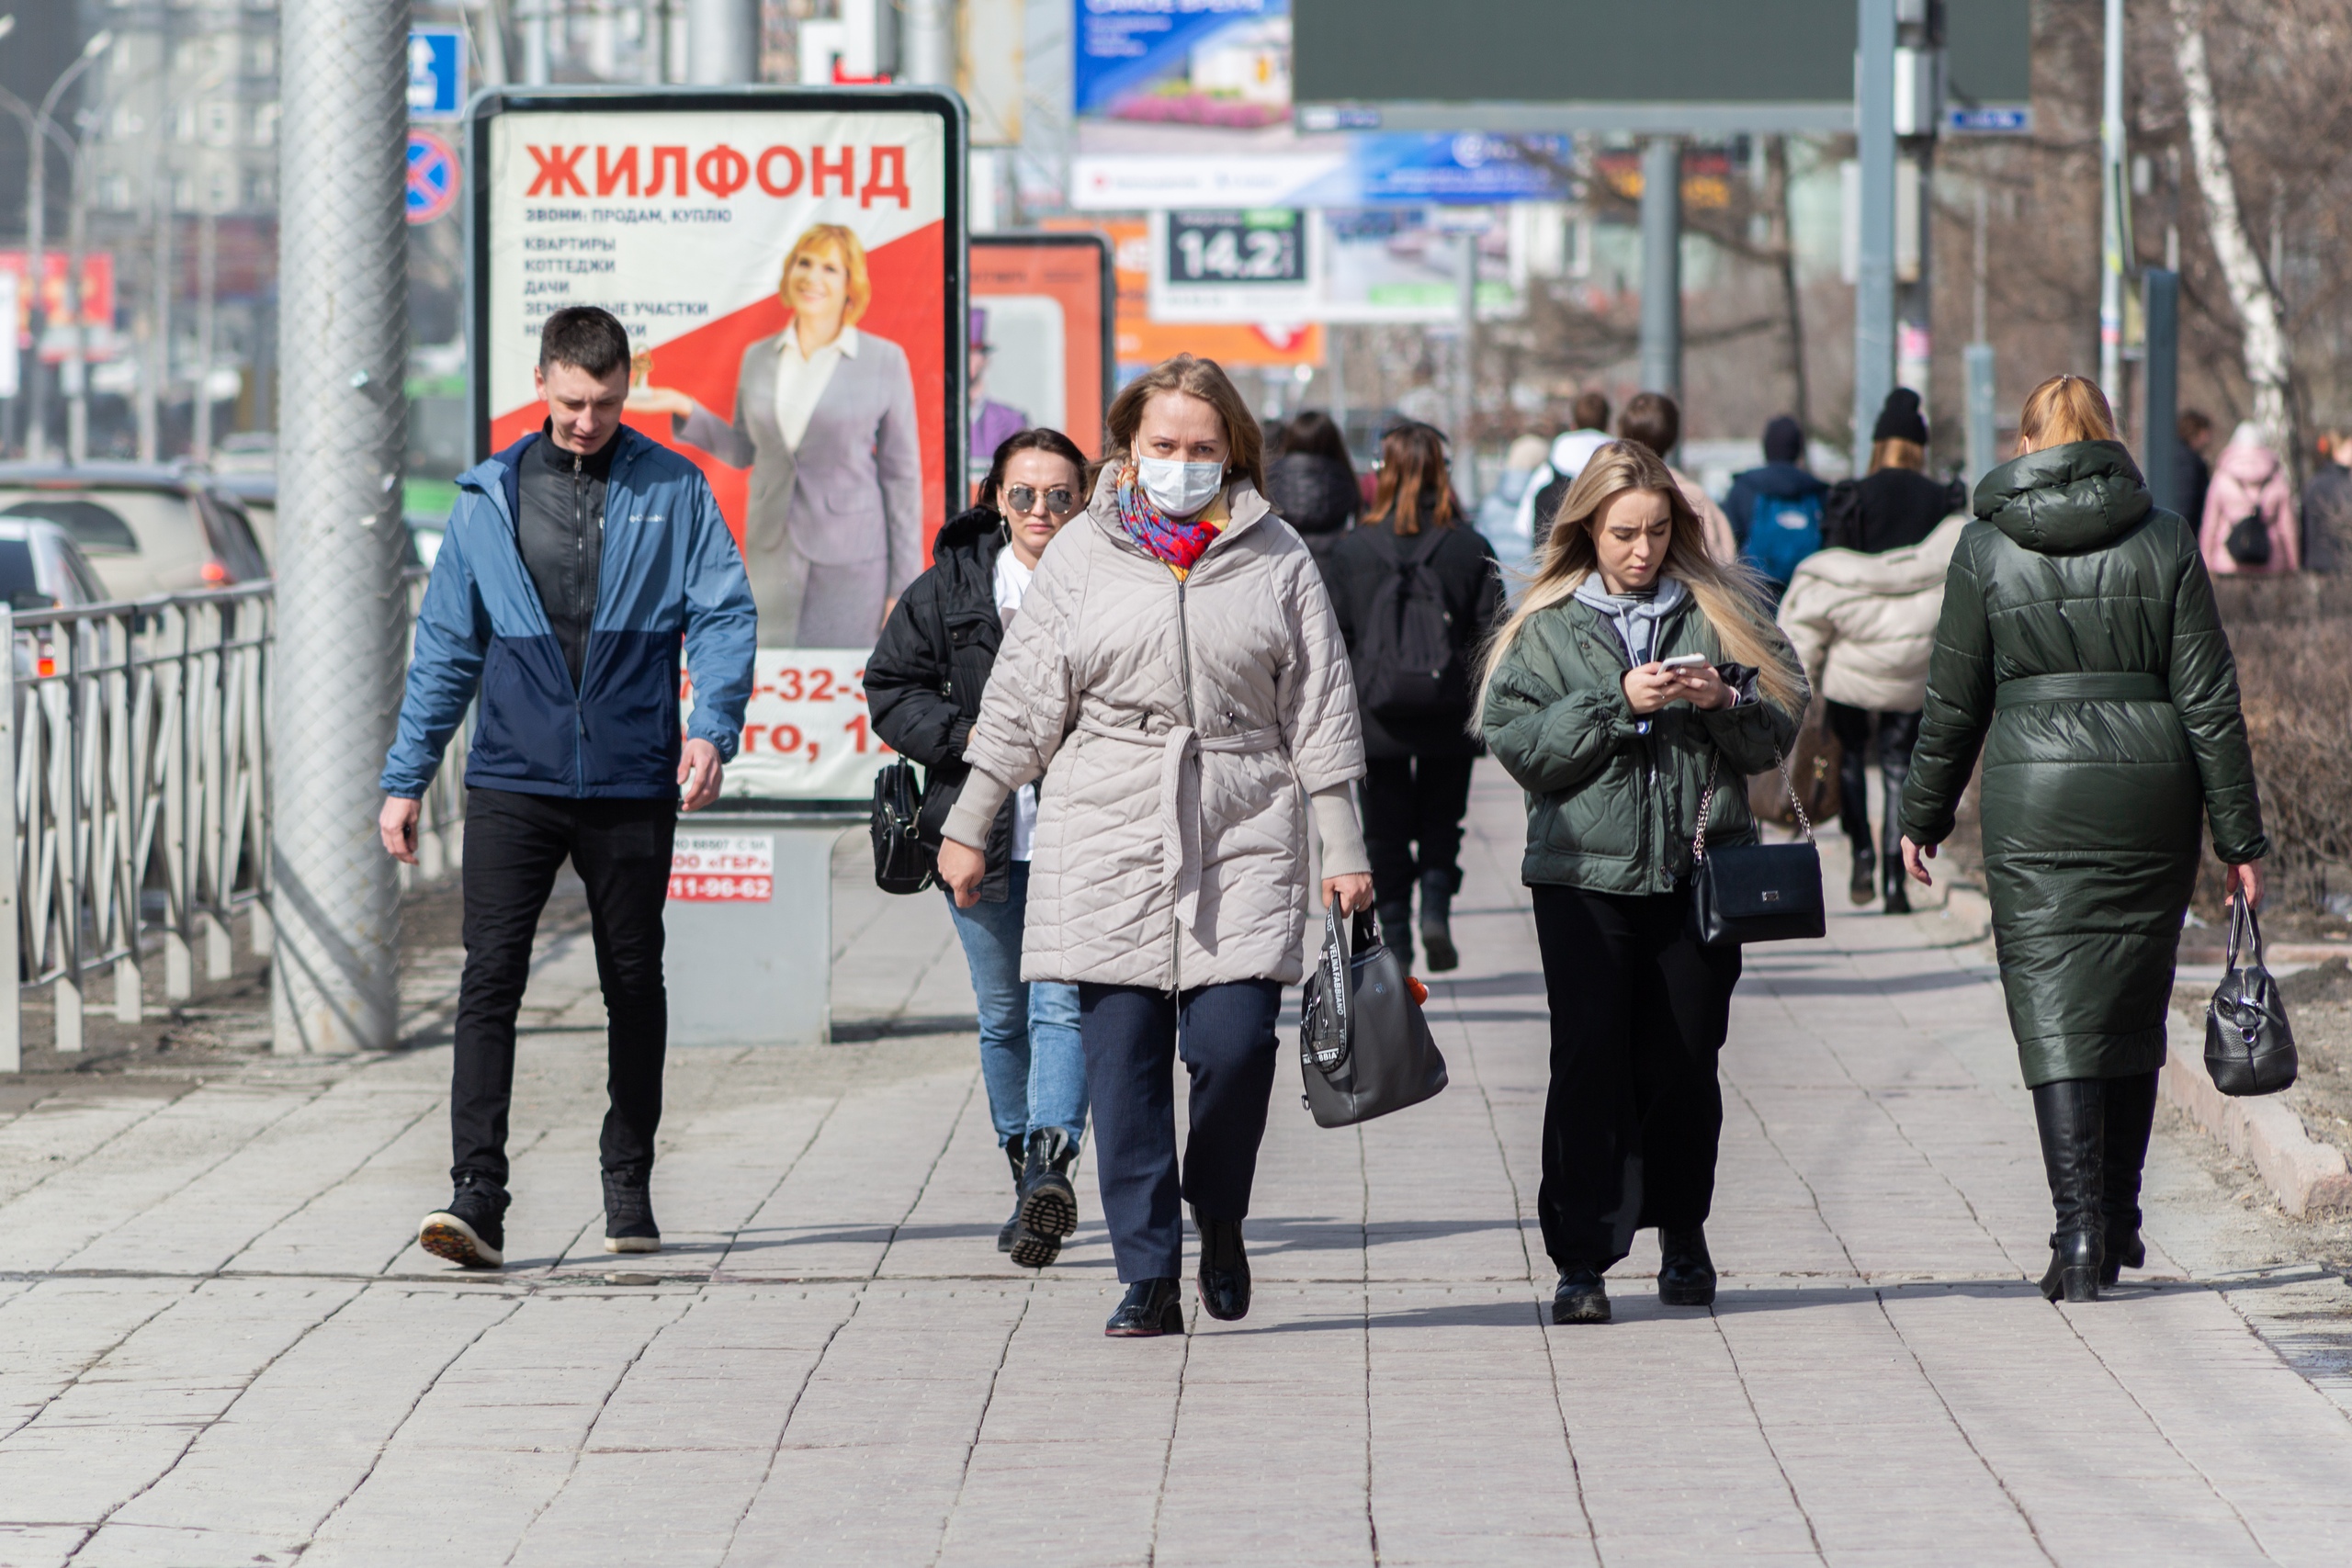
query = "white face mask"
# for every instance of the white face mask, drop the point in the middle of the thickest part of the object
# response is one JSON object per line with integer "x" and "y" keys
{"x": 1180, "y": 489}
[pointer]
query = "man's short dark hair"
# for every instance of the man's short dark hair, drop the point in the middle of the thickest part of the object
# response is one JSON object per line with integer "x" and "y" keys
{"x": 1590, "y": 411}
{"x": 584, "y": 336}
{"x": 1651, "y": 420}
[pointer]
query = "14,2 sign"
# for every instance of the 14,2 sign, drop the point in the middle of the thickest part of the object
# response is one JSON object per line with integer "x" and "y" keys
{"x": 1261, "y": 246}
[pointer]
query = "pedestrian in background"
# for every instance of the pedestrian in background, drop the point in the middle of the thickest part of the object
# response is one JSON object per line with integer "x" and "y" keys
{"x": 1415, "y": 556}
{"x": 2080, "y": 650}
{"x": 924, "y": 684}
{"x": 1862, "y": 623}
{"x": 1311, "y": 482}
{"x": 2196, "y": 431}
{"x": 578, "y": 564}
{"x": 2328, "y": 506}
{"x": 1521, "y": 459}
{"x": 1775, "y": 510}
{"x": 1570, "y": 449}
{"x": 2249, "y": 524}
{"x": 1652, "y": 420}
{"x": 1897, "y": 504}
{"x": 1622, "y": 754}
{"x": 1176, "y": 679}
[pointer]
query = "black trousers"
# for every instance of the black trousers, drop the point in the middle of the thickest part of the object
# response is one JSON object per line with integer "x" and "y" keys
{"x": 1895, "y": 734}
{"x": 1132, "y": 1035}
{"x": 515, "y": 845}
{"x": 1639, "y": 1012}
{"x": 1411, "y": 801}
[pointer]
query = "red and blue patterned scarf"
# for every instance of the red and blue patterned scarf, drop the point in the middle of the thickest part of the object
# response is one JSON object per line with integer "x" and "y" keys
{"x": 1179, "y": 542}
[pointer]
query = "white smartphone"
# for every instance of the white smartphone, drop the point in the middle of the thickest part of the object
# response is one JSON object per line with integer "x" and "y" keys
{"x": 1684, "y": 661}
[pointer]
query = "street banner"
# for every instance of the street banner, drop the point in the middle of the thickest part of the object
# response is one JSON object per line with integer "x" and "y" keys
{"x": 789, "y": 265}
{"x": 1040, "y": 349}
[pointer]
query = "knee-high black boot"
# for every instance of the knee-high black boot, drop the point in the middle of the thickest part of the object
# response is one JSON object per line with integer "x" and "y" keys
{"x": 2072, "y": 1115}
{"x": 2130, "y": 1116}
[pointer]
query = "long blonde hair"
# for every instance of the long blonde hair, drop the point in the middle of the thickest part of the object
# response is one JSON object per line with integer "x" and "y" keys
{"x": 1727, "y": 595}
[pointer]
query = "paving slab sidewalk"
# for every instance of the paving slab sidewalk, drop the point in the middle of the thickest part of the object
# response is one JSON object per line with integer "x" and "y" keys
{"x": 218, "y": 1346}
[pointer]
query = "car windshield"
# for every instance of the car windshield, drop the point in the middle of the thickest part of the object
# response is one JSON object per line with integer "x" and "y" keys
{"x": 98, "y": 528}
{"x": 19, "y": 585}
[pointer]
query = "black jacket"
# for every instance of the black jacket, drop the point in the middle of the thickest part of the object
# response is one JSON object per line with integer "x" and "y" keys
{"x": 925, "y": 681}
{"x": 560, "y": 532}
{"x": 1472, "y": 581}
{"x": 1314, "y": 495}
{"x": 1891, "y": 510}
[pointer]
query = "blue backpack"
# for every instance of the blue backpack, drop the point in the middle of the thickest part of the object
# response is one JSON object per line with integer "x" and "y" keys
{"x": 1782, "y": 531}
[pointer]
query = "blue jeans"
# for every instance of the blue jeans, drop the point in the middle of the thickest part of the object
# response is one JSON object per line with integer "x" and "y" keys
{"x": 1030, "y": 1055}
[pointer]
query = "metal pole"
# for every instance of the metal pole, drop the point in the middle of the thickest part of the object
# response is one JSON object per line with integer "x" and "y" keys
{"x": 343, "y": 341}
{"x": 1662, "y": 267}
{"x": 36, "y": 269}
{"x": 2110, "y": 182}
{"x": 155, "y": 384}
{"x": 77, "y": 233}
{"x": 1983, "y": 433}
{"x": 208, "y": 289}
{"x": 1465, "y": 420}
{"x": 1874, "y": 285}
{"x": 926, "y": 48}
{"x": 2160, "y": 437}
{"x": 722, "y": 41}
{"x": 536, "y": 63}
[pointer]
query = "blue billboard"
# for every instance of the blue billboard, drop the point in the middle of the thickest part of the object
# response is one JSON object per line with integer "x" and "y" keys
{"x": 1184, "y": 61}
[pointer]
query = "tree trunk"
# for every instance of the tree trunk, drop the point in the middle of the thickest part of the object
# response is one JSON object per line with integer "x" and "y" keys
{"x": 1782, "y": 243}
{"x": 2250, "y": 294}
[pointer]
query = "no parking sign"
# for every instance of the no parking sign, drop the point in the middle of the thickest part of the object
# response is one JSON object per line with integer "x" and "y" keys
{"x": 433, "y": 179}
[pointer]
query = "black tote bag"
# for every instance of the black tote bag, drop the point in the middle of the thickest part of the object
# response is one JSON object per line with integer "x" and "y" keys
{"x": 1365, "y": 1048}
{"x": 1743, "y": 893}
{"x": 2249, "y": 1049}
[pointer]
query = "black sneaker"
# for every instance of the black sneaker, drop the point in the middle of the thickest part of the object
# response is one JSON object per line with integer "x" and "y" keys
{"x": 1048, "y": 1208}
{"x": 629, "y": 1212}
{"x": 1686, "y": 1274}
{"x": 471, "y": 1231}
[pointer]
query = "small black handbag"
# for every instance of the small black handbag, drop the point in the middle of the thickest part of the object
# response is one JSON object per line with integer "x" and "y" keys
{"x": 2249, "y": 1048}
{"x": 1365, "y": 1048}
{"x": 1743, "y": 893}
{"x": 901, "y": 862}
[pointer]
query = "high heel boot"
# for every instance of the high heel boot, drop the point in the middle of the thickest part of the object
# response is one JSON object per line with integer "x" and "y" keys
{"x": 2130, "y": 1116}
{"x": 2071, "y": 1114}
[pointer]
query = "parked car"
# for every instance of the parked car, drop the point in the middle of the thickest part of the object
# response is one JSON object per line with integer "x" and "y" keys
{"x": 42, "y": 568}
{"x": 146, "y": 529}
{"x": 256, "y": 491}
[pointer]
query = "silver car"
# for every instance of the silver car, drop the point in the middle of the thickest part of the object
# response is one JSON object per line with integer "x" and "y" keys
{"x": 146, "y": 529}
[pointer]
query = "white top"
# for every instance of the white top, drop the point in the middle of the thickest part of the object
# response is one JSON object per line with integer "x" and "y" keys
{"x": 1012, "y": 580}
{"x": 800, "y": 380}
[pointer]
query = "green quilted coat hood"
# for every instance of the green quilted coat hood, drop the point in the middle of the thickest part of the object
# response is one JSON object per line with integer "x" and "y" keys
{"x": 2064, "y": 498}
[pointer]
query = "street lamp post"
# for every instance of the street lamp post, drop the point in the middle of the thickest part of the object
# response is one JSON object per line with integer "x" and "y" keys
{"x": 36, "y": 215}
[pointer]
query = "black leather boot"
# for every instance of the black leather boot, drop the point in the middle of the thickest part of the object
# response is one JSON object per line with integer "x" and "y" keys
{"x": 1151, "y": 1308}
{"x": 2130, "y": 1116}
{"x": 1581, "y": 1298}
{"x": 1049, "y": 1207}
{"x": 1013, "y": 1158}
{"x": 1224, "y": 1268}
{"x": 1397, "y": 930}
{"x": 2071, "y": 1114}
{"x": 1437, "y": 924}
{"x": 1899, "y": 897}
{"x": 1686, "y": 1275}
{"x": 1861, "y": 887}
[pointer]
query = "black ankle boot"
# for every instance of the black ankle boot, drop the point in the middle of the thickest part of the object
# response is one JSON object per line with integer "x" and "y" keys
{"x": 1396, "y": 932}
{"x": 2072, "y": 1115}
{"x": 1437, "y": 925}
{"x": 1224, "y": 1269}
{"x": 1152, "y": 1307}
{"x": 1861, "y": 887}
{"x": 1686, "y": 1275}
{"x": 1013, "y": 1158}
{"x": 1898, "y": 898}
{"x": 1581, "y": 1298}
{"x": 1049, "y": 1200}
{"x": 2131, "y": 1117}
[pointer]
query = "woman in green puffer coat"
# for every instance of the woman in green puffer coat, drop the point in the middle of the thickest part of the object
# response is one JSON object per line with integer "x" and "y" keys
{"x": 2079, "y": 647}
{"x": 1619, "y": 750}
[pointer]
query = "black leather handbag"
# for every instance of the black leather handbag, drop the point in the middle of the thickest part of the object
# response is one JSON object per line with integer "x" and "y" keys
{"x": 902, "y": 863}
{"x": 1743, "y": 893}
{"x": 1365, "y": 1048}
{"x": 2249, "y": 1048}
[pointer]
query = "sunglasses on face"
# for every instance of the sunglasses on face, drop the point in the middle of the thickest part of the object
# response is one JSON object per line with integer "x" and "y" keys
{"x": 1024, "y": 499}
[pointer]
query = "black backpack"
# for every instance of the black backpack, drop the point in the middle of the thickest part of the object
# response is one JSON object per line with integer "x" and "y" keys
{"x": 2249, "y": 540}
{"x": 1407, "y": 666}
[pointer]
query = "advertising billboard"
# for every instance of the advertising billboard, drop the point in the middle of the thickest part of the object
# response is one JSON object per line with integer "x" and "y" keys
{"x": 1184, "y": 61}
{"x": 789, "y": 265}
{"x": 1039, "y": 349}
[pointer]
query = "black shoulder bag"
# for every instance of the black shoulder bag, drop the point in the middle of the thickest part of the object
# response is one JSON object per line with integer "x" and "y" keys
{"x": 1365, "y": 1048}
{"x": 2248, "y": 541}
{"x": 1742, "y": 893}
{"x": 2249, "y": 1049}
{"x": 901, "y": 863}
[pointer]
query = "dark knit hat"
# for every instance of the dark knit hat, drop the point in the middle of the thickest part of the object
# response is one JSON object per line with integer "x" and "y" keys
{"x": 1899, "y": 418}
{"x": 1783, "y": 440}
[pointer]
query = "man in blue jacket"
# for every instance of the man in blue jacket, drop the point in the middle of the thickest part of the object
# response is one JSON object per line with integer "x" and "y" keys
{"x": 574, "y": 563}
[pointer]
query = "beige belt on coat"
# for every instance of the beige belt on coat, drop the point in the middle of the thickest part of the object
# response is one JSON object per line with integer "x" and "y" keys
{"x": 1179, "y": 795}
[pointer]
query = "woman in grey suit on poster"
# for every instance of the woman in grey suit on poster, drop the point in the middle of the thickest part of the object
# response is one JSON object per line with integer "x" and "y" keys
{"x": 825, "y": 420}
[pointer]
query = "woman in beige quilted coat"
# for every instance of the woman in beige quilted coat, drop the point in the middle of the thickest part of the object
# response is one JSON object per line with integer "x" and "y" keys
{"x": 1178, "y": 682}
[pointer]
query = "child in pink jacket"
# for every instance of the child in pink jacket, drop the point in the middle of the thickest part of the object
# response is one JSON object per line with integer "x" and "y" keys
{"x": 2249, "y": 481}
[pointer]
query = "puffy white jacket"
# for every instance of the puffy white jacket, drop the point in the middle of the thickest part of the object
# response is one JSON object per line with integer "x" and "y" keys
{"x": 1180, "y": 730}
{"x": 1865, "y": 624}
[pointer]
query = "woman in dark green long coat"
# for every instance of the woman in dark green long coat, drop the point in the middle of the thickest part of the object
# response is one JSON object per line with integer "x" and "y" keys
{"x": 2079, "y": 647}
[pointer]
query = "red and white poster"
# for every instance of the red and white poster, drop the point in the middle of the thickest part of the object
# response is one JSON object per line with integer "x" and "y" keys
{"x": 1039, "y": 349}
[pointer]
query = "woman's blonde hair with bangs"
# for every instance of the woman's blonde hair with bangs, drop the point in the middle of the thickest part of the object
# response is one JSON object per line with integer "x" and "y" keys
{"x": 1728, "y": 595}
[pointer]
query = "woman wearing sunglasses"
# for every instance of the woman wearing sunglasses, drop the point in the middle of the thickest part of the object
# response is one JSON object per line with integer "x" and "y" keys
{"x": 923, "y": 685}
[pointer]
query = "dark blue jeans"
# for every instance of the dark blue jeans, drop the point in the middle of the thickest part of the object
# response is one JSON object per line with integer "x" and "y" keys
{"x": 1133, "y": 1034}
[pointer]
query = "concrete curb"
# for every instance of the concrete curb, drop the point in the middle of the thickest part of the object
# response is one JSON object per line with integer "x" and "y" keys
{"x": 2304, "y": 1176}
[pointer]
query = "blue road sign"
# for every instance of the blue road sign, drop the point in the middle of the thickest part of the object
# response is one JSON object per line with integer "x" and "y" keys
{"x": 437, "y": 73}
{"x": 432, "y": 177}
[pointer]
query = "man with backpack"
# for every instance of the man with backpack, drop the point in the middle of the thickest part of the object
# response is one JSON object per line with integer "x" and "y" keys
{"x": 1775, "y": 510}
{"x": 1416, "y": 591}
